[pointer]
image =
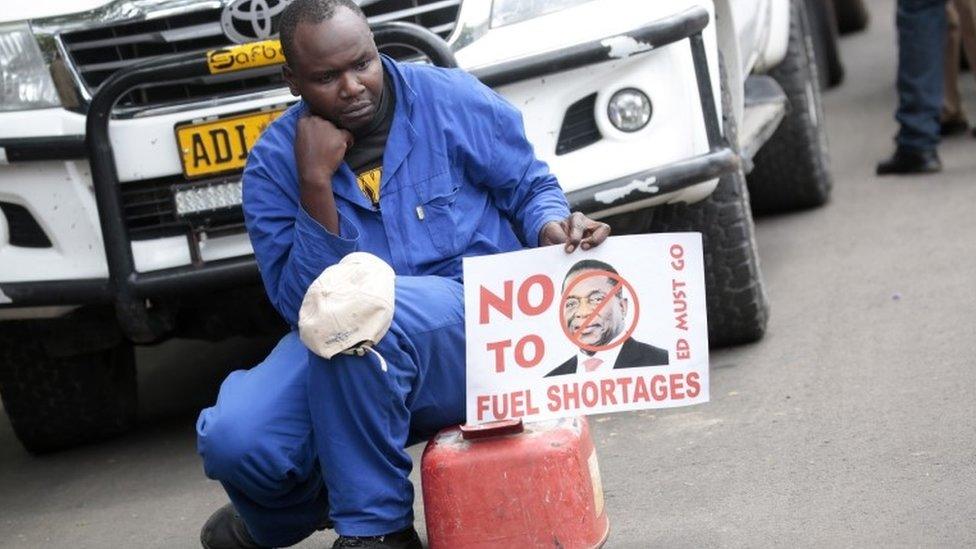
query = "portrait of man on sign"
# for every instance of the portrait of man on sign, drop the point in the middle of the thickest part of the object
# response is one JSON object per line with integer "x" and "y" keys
{"x": 594, "y": 314}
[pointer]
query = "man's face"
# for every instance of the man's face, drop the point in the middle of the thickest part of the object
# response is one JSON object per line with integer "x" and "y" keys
{"x": 336, "y": 69}
{"x": 587, "y": 296}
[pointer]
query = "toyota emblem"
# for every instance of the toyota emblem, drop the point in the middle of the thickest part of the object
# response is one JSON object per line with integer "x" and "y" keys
{"x": 251, "y": 20}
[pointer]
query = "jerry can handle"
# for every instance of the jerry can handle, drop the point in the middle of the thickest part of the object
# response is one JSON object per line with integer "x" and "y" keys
{"x": 492, "y": 429}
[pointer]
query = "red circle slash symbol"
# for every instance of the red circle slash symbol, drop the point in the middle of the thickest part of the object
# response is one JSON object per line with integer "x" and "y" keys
{"x": 575, "y": 335}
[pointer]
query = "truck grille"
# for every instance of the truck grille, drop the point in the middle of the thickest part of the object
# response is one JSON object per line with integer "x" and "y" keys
{"x": 98, "y": 53}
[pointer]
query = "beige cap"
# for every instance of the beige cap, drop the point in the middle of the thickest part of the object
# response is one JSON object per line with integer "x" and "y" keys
{"x": 349, "y": 307}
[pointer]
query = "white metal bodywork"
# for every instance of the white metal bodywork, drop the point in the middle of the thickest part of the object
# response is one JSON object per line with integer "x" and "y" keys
{"x": 759, "y": 32}
{"x": 60, "y": 194}
{"x": 34, "y": 9}
{"x": 773, "y": 51}
{"x": 676, "y": 130}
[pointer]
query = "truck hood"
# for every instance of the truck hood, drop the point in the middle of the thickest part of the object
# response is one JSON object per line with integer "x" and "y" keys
{"x": 36, "y": 9}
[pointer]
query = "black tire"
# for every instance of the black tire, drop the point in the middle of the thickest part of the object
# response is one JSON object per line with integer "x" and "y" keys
{"x": 59, "y": 402}
{"x": 792, "y": 170}
{"x": 823, "y": 24}
{"x": 735, "y": 295}
{"x": 852, "y": 15}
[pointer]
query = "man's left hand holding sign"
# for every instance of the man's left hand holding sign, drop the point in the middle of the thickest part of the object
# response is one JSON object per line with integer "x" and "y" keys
{"x": 576, "y": 231}
{"x": 418, "y": 166}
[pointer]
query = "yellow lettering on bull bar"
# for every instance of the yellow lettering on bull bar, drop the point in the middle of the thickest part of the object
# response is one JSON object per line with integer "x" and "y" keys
{"x": 245, "y": 56}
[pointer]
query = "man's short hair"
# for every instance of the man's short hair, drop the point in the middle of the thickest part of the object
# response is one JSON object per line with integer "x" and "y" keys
{"x": 588, "y": 265}
{"x": 311, "y": 12}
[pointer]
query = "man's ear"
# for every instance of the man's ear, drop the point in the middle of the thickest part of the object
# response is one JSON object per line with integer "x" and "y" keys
{"x": 289, "y": 77}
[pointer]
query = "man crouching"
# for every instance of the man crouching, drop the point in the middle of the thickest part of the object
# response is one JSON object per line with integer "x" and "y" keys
{"x": 418, "y": 166}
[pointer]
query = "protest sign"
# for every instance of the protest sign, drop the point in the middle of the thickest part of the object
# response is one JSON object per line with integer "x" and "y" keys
{"x": 617, "y": 328}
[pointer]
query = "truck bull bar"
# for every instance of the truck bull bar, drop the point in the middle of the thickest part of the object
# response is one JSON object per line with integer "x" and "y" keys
{"x": 132, "y": 291}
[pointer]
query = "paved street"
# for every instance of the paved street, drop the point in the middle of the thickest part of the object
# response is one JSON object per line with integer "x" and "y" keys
{"x": 852, "y": 424}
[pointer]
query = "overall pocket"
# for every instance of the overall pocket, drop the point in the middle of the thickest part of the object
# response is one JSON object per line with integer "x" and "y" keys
{"x": 436, "y": 211}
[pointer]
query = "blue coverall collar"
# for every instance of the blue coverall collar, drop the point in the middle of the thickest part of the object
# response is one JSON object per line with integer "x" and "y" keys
{"x": 402, "y": 133}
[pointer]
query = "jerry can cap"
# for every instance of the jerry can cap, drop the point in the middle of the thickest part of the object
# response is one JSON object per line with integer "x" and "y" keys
{"x": 492, "y": 429}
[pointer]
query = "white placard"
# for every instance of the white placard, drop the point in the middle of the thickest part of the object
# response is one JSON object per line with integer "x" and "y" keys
{"x": 617, "y": 328}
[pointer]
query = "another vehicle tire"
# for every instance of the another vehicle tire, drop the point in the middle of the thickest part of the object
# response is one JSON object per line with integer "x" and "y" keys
{"x": 823, "y": 24}
{"x": 60, "y": 402}
{"x": 852, "y": 15}
{"x": 735, "y": 295}
{"x": 792, "y": 170}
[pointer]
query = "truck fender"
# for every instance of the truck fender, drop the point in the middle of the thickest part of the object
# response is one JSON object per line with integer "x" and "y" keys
{"x": 779, "y": 36}
{"x": 731, "y": 59}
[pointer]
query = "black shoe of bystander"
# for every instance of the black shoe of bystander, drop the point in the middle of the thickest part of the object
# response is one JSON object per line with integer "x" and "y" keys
{"x": 910, "y": 161}
{"x": 953, "y": 126}
{"x": 404, "y": 539}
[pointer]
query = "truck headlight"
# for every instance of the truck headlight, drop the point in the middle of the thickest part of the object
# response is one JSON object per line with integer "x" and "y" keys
{"x": 506, "y": 12}
{"x": 25, "y": 81}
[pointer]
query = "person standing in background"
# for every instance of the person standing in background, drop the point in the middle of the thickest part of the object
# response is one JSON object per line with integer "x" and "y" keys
{"x": 961, "y": 16}
{"x": 921, "y": 47}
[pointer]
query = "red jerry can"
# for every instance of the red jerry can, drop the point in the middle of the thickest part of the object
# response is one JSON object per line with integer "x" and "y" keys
{"x": 504, "y": 485}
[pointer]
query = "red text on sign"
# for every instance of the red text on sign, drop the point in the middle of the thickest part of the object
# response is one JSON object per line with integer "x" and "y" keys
{"x": 677, "y": 257}
{"x": 506, "y": 405}
{"x": 488, "y": 300}
{"x": 679, "y": 299}
{"x": 529, "y": 351}
{"x": 682, "y": 349}
{"x": 624, "y": 390}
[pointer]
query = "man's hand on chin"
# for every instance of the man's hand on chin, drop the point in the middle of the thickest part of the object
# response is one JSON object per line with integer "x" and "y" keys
{"x": 576, "y": 231}
{"x": 319, "y": 150}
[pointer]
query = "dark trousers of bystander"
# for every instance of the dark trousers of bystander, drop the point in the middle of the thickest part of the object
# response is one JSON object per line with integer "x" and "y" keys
{"x": 961, "y": 30}
{"x": 921, "y": 48}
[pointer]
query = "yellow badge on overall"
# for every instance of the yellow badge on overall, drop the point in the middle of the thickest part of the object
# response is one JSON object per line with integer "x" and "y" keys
{"x": 369, "y": 182}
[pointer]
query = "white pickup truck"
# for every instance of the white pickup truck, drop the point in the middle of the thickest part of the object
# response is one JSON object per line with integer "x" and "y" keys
{"x": 124, "y": 125}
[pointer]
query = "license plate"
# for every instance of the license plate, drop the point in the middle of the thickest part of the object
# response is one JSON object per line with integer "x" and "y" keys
{"x": 219, "y": 146}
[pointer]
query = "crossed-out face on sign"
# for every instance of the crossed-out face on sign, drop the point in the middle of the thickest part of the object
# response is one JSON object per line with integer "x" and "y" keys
{"x": 596, "y": 316}
{"x": 594, "y": 305}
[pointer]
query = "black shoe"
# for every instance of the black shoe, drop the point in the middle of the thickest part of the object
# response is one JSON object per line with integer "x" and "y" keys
{"x": 404, "y": 539}
{"x": 953, "y": 126}
{"x": 225, "y": 530}
{"x": 909, "y": 161}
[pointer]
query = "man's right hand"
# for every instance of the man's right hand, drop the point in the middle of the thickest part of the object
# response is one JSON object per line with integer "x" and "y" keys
{"x": 319, "y": 149}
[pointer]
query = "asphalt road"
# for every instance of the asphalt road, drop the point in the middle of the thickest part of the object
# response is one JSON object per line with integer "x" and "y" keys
{"x": 853, "y": 423}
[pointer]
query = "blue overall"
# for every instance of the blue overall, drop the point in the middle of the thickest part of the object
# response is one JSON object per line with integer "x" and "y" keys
{"x": 298, "y": 435}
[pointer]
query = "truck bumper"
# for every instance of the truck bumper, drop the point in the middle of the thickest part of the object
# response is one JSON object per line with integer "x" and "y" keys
{"x": 627, "y": 193}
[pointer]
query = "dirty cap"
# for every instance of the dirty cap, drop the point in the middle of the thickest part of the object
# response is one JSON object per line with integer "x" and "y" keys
{"x": 349, "y": 307}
